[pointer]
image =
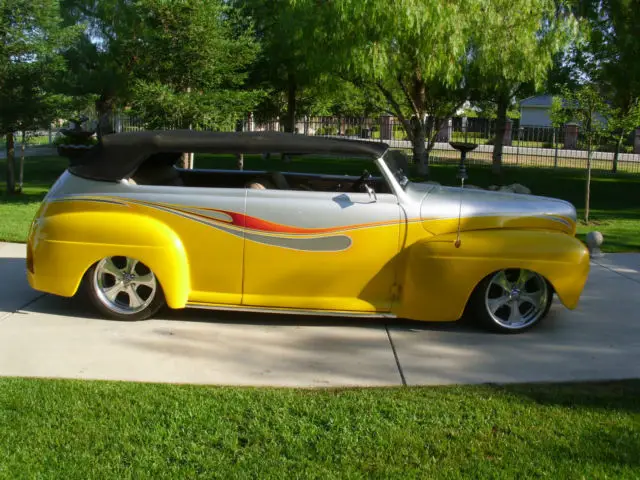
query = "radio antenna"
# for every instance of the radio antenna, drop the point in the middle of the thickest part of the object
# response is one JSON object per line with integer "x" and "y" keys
{"x": 463, "y": 148}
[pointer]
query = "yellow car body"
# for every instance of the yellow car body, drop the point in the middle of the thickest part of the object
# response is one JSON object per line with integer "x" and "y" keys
{"x": 400, "y": 252}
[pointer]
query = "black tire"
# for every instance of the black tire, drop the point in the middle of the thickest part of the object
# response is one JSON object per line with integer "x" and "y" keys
{"x": 92, "y": 293}
{"x": 478, "y": 311}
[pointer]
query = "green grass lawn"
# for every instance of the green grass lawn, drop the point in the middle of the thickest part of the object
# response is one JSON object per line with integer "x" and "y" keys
{"x": 17, "y": 211}
{"x": 615, "y": 207}
{"x": 35, "y": 141}
{"x": 84, "y": 429}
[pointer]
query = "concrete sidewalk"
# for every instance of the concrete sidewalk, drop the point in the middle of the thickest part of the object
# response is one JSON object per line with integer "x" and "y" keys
{"x": 46, "y": 336}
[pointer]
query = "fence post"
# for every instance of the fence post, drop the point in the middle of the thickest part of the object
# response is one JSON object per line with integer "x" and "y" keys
{"x": 444, "y": 135}
{"x": 571, "y": 136}
{"x": 386, "y": 129}
{"x": 508, "y": 128}
{"x": 555, "y": 143}
{"x": 520, "y": 129}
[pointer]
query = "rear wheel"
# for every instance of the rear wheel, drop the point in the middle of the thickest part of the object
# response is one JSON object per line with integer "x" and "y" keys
{"x": 124, "y": 288}
{"x": 511, "y": 300}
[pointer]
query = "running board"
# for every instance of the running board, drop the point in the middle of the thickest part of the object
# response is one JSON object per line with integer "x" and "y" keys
{"x": 291, "y": 311}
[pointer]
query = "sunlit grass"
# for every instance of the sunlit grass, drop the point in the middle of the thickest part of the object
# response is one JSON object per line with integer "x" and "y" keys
{"x": 85, "y": 429}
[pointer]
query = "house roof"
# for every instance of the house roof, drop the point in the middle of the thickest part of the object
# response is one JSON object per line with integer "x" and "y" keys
{"x": 119, "y": 155}
{"x": 537, "y": 101}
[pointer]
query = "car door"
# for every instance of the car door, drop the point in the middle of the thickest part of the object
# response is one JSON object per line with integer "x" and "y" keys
{"x": 206, "y": 220}
{"x": 320, "y": 250}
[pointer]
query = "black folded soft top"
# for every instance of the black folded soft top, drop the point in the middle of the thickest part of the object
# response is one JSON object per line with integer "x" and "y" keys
{"x": 118, "y": 155}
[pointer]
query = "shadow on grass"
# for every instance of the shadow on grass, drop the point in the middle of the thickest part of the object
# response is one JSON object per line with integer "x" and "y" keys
{"x": 606, "y": 395}
{"x": 22, "y": 198}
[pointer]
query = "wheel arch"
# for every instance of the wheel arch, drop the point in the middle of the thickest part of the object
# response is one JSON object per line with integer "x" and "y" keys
{"x": 66, "y": 245}
{"x": 438, "y": 279}
{"x": 550, "y": 286}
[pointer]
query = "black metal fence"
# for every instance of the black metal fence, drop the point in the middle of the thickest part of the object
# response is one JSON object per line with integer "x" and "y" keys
{"x": 524, "y": 145}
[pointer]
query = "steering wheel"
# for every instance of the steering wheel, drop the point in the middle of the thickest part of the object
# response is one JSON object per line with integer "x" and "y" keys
{"x": 361, "y": 181}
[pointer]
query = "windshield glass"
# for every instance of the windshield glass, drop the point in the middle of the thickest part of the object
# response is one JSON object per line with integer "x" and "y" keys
{"x": 398, "y": 163}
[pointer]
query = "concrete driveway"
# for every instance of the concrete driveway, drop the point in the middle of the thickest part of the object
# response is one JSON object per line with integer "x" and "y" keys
{"x": 46, "y": 336}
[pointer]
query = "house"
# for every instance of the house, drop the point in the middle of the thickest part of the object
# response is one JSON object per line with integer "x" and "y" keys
{"x": 536, "y": 111}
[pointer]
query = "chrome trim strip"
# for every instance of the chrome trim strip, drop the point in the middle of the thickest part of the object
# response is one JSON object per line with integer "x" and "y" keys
{"x": 82, "y": 198}
{"x": 290, "y": 311}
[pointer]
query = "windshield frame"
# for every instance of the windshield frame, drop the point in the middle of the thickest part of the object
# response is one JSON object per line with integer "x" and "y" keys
{"x": 396, "y": 161}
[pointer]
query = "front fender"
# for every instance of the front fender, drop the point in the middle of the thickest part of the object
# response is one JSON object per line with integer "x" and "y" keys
{"x": 65, "y": 244}
{"x": 438, "y": 278}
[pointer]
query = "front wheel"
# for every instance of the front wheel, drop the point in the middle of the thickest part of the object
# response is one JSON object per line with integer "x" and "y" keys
{"x": 511, "y": 300}
{"x": 124, "y": 288}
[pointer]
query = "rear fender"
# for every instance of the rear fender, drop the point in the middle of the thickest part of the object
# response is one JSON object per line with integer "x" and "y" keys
{"x": 438, "y": 278}
{"x": 65, "y": 245}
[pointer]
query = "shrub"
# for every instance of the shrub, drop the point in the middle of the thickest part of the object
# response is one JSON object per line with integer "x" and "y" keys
{"x": 327, "y": 130}
{"x": 74, "y": 140}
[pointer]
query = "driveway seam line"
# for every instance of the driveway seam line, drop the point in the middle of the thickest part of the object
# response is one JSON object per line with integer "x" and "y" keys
{"x": 395, "y": 355}
{"x": 621, "y": 274}
{"x": 17, "y": 310}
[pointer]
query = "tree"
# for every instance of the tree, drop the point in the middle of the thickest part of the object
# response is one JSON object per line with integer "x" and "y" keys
{"x": 623, "y": 121}
{"x": 102, "y": 60}
{"x": 281, "y": 67}
{"x": 427, "y": 57}
{"x": 413, "y": 52}
{"x": 31, "y": 41}
{"x": 610, "y": 59}
{"x": 194, "y": 65}
{"x": 514, "y": 53}
{"x": 586, "y": 107}
{"x": 488, "y": 110}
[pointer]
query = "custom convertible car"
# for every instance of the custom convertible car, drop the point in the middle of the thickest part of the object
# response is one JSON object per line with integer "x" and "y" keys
{"x": 128, "y": 228}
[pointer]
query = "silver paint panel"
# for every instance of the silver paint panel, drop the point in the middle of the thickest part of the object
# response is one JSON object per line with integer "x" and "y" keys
{"x": 444, "y": 202}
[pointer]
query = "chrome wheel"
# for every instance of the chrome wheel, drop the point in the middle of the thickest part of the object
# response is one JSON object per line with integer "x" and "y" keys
{"x": 124, "y": 285}
{"x": 516, "y": 298}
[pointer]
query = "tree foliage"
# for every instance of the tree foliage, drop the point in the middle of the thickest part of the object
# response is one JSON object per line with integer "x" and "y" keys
{"x": 414, "y": 53}
{"x": 32, "y": 38}
{"x": 102, "y": 60}
{"x": 427, "y": 57}
{"x": 610, "y": 60}
{"x": 513, "y": 54}
{"x": 586, "y": 107}
{"x": 610, "y": 56}
{"x": 194, "y": 65}
{"x": 281, "y": 67}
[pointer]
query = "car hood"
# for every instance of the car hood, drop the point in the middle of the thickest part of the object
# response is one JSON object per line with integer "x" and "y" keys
{"x": 482, "y": 209}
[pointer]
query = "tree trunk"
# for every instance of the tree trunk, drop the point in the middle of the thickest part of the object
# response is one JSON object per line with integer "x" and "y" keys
{"x": 21, "y": 169}
{"x": 588, "y": 189}
{"x": 617, "y": 154}
{"x": 11, "y": 163}
{"x": 290, "y": 119}
{"x": 420, "y": 157}
{"x": 104, "y": 108}
{"x": 501, "y": 122}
